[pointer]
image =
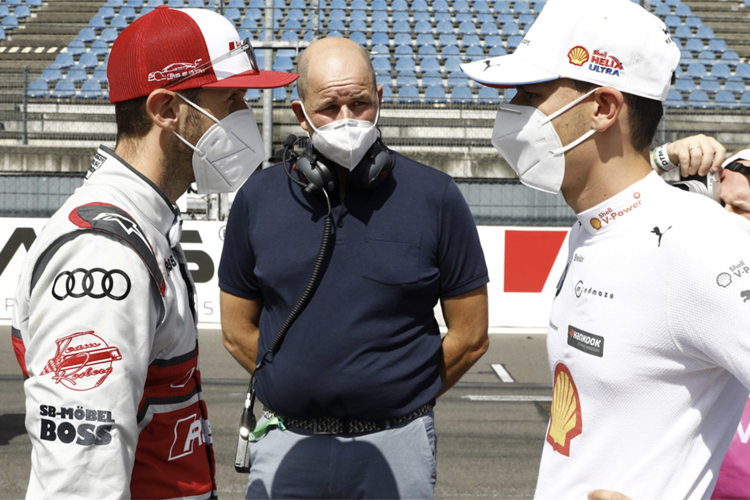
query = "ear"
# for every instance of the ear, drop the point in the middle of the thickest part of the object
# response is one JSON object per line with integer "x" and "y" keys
{"x": 163, "y": 107}
{"x": 297, "y": 108}
{"x": 380, "y": 95}
{"x": 609, "y": 103}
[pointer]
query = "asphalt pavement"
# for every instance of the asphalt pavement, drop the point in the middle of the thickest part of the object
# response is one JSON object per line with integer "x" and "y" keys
{"x": 491, "y": 426}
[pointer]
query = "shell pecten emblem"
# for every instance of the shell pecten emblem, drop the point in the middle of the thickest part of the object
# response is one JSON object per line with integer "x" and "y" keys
{"x": 565, "y": 414}
{"x": 578, "y": 55}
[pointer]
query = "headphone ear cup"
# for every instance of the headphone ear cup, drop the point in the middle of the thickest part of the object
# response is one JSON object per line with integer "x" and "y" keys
{"x": 315, "y": 173}
{"x": 373, "y": 169}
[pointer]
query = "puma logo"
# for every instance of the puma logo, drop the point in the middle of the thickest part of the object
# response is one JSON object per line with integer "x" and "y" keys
{"x": 658, "y": 232}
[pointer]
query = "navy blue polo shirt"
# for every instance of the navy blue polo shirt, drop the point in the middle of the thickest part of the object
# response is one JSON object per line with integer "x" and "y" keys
{"x": 367, "y": 346}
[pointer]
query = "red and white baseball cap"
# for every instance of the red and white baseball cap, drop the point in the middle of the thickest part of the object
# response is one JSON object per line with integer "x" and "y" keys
{"x": 612, "y": 43}
{"x": 170, "y": 44}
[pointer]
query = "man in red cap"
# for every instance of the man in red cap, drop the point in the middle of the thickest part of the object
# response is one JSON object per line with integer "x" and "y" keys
{"x": 104, "y": 325}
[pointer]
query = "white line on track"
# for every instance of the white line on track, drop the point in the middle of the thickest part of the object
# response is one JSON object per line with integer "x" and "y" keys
{"x": 508, "y": 398}
{"x": 502, "y": 373}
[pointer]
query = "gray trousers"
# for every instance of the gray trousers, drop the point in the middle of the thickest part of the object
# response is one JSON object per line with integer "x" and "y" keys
{"x": 400, "y": 462}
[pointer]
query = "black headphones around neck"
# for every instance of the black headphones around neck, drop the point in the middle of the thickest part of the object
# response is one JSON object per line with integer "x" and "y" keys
{"x": 317, "y": 174}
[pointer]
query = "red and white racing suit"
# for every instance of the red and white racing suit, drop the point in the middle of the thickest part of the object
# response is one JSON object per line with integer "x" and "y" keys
{"x": 104, "y": 325}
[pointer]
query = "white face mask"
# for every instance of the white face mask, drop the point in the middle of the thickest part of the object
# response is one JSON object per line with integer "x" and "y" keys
{"x": 345, "y": 141}
{"x": 227, "y": 153}
{"x": 527, "y": 140}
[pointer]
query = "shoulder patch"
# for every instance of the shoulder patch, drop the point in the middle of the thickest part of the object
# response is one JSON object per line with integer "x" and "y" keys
{"x": 117, "y": 222}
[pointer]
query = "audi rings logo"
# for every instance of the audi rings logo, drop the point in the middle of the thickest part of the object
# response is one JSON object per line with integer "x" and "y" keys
{"x": 96, "y": 283}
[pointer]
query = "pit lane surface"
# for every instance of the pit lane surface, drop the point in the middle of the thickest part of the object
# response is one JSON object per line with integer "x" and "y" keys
{"x": 490, "y": 431}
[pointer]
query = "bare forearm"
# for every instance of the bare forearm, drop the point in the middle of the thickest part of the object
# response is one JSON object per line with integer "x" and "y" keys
{"x": 459, "y": 356}
{"x": 243, "y": 348}
{"x": 239, "y": 328}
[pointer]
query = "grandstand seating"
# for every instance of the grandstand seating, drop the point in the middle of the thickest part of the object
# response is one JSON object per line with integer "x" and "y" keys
{"x": 417, "y": 46}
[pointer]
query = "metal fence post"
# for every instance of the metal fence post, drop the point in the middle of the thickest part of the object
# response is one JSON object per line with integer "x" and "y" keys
{"x": 268, "y": 93}
{"x": 24, "y": 109}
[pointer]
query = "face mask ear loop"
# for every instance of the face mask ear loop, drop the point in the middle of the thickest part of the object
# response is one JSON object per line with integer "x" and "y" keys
{"x": 574, "y": 143}
{"x": 570, "y": 105}
{"x": 191, "y": 103}
{"x": 197, "y": 151}
{"x": 309, "y": 121}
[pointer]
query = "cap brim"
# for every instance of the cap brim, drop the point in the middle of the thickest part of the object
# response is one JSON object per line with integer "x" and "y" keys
{"x": 255, "y": 80}
{"x": 742, "y": 155}
{"x": 506, "y": 71}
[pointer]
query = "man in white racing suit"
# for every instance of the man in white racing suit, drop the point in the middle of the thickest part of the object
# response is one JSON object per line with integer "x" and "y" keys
{"x": 649, "y": 335}
{"x": 104, "y": 323}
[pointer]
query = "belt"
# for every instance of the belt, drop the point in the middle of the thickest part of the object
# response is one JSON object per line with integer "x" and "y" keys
{"x": 335, "y": 425}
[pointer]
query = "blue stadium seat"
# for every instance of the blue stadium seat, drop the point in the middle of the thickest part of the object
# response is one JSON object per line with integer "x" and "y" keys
{"x": 90, "y": 90}
{"x": 501, "y": 7}
{"x": 382, "y": 66}
{"x": 99, "y": 75}
{"x": 422, "y": 16}
{"x": 427, "y": 50}
{"x": 510, "y": 29}
{"x": 233, "y": 14}
{"x": 425, "y": 39}
{"x": 358, "y": 37}
{"x": 694, "y": 45}
{"x": 443, "y": 16}
{"x": 717, "y": 45}
{"x": 278, "y": 4}
{"x": 406, "y": 66}
{"x": 76, "y": 47}
{"x": 525, "y": 21}
{"x": 283, "y": 64}
{"x": 109, "y": 35}
{"x": 725, "y": 100}
{"x": 22, "y": 12}
{"x": 379, "y": 39}
{"x": 380, "y": 50}
{"x": 379, "y": 5}
{"x": 730, "y": 57}
{"x": 297, "y": 4}
{"x": 464, "y": 16}
{"x": 399, "y": 6}
{"x": 447, "y": 39}
{"x": 248, "y": 23}
{"x": 683, "y": 10}
{"x": 51, "y": 73}
{"x": 64, "y": 60}
{"x": 279, "y": 94}
{"x": 521, "y": 7}
{"x": 119, "y": 22}
{"x": 358, "y": 26}
{"x": 257, "y": 4}
{"x": 745, "y": 99}
{"x": 735, "y": 85}
{"x": 420, "y": 6}
{"x": 492, "y": 41}
{"x": 488, "y": 95}
{"x": 408, "y": 94}
{"x": 77, "y": 74}
{"x": 432, "y": 78}
{"x": 423, "y": 28}
{"x": 435, "y": 95}
{"x": 34, "y": 3}
{"x": 387, "y": 94}
{"x": 137, "y": 4}
{"x": 98, "y": 23}
{"x": 673, "y": 3}
{"x": 444, "y": 27}
{"x": 497, "y": 51}
{"x": 743, "y": 71}
{"x": 337, "y": 4}
{"x": 440, "y": 6}
{"x": 89, "y": 60}
{"x": 674, "y": 99}
{"x": 710, "y": 86}
{"x": 252, "y": 95}
{"x": 64, "y": 88}
{"x": 383, "y": 80}
{"x": 403, "y": 16}
{"x": 401, "y": 27}
{"x": 696, "y": 70}
{"x": 693, "y": 22}
{"x": 686, "y": 85}
{"x": 128, "y": 13}
{"x": 114, "y": 3}
{"x": 379, "y": 27}
{"x": 461, "y": 6}
{"x": 462, "y": 94}
{"x": 672, "y": 21}
{"x": 453, "y": 64}
{"x": 510, "y": 94}
{"x": 482, "y": 7}
{"x": 4, "y": 10}
{"x": 154, "y": 3}
{"x": 336, "y": 25}
{"x": 429, "y": 64}
{"x": 357, "y": 15}
{"x": 406, "y": 80}
{"x": 698, "y": 99}
{"x": 662, "y": 10}
{"x": 38, "y": 88}
{"x": 450, "y": 50}
{"x": 470, "y": 41}
{"x": 475, "y": 53}
{"x": 514, "y": 41}
{"x": 337, "y": 15}
{"x": 683, "y": 31}
{"x": 707, "y": 57}
{"x": 458, "y": 79}
{"x": 721, "y": 70}
{"x": 254, "y": 14}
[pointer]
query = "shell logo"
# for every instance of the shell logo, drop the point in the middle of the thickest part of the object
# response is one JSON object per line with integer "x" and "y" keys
{"x": 565, "y": 415}
{"x": 578, "y": 55}
{"x": 596, "y": 223}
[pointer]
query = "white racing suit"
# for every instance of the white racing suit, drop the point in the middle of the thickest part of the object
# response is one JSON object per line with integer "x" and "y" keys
{"x": 104, "y": 326}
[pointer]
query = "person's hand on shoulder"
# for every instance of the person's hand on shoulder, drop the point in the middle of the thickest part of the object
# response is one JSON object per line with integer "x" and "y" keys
{"x": 607, "y": 495}
{"x": 696, "y": 154}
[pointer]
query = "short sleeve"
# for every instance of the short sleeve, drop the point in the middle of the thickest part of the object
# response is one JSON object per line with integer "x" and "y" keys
{"x": 237, "y": 265}
{"x": 461, "y": 259}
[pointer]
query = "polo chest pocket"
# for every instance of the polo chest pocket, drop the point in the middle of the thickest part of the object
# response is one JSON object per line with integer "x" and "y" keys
{"x": 391, "y": 257}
